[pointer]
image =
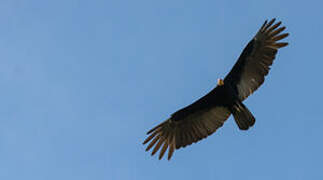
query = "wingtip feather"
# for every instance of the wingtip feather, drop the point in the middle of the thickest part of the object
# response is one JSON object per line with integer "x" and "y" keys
{"x": 279, "y": 37}
{"x": 269, "y": 24}
{"x": 160, "y": 142}
{"x": 150, "y": 137}
{"x": 163, "y": 150}
{"x": 282, "y": 44}
{"x": 152, "y": 143}
{"x": 171, "y": 148}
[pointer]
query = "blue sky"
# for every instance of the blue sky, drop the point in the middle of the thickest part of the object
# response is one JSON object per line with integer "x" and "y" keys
{"x": 83, "y": 81}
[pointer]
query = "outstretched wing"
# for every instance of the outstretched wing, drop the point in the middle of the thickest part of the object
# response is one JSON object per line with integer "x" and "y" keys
{"x": 195, "y": 125}
{"x": 254, "y": 62}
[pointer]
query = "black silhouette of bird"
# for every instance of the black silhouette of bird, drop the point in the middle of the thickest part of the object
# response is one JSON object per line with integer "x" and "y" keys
{"x": 206, "y": 115}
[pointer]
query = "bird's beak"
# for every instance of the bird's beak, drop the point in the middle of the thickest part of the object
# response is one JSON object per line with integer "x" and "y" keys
{"x": 220, "y": 82}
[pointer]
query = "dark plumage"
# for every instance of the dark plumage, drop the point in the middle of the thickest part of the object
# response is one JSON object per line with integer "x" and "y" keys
{"x": 206, "y": 115}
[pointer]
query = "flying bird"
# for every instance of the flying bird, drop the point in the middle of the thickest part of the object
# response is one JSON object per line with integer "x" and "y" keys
{"x": 202, "y": 118}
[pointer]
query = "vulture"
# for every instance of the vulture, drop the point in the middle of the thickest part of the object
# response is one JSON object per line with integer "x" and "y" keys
{"x": 202, "y": 118}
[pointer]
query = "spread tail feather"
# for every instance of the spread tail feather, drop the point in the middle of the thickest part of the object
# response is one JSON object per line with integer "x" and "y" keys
{"x": 242, "y": 116}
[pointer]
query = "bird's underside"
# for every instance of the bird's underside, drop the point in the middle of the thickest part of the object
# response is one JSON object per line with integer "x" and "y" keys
{"x": 202, "y": 118}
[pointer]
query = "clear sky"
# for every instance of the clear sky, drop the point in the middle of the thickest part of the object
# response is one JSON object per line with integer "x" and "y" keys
{"x": 83, "y": 81}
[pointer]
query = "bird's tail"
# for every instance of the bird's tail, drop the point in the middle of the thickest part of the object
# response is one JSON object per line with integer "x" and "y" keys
{"x": 242, "y": 116}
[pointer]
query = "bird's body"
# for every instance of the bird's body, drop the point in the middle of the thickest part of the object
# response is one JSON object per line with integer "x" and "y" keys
{"x": 206, "y": 115}
{"x": 221, "y": 95}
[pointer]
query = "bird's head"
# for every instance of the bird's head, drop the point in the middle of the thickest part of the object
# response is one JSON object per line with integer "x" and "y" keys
{"x": 220, "y": 82}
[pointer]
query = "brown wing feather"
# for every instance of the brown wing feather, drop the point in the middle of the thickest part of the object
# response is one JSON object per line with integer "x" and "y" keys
{"x": 254, "y": 62}
{"x": 173, "y": 135}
